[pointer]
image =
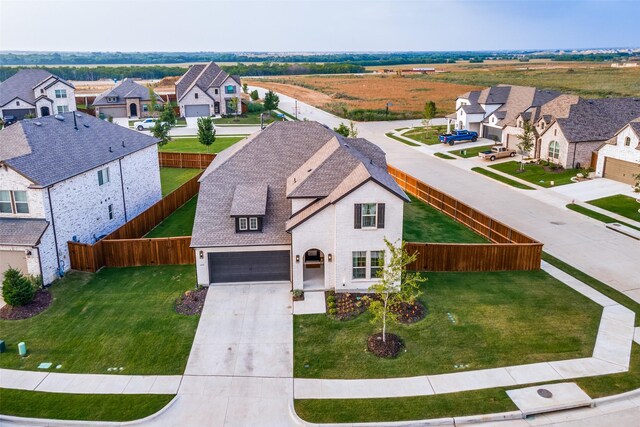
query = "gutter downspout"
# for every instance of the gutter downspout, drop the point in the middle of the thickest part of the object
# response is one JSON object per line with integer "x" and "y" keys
{"x": 575, "y": 147}
{"x": 124, "y": 202}
{"x": 40, "y": 265}
{"x": 53, "y": 224}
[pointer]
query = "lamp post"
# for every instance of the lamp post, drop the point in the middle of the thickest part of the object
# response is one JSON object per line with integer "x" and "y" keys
{"x": 389, "y": 104}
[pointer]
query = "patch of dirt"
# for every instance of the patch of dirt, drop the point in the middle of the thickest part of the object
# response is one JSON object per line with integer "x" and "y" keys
{"x": 191, "y": 302}
{"x": 40, "y": 303}
{"x": 389, "y": 349}
{"x": 409, "y": 313}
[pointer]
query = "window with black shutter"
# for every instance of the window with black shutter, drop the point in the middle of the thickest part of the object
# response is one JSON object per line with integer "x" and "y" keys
{"x": 380, "y": 215}
{"x": 357, "y": 218}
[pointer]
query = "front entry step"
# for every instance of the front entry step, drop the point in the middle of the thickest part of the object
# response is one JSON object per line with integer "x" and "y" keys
{"x": 549, "y": 398}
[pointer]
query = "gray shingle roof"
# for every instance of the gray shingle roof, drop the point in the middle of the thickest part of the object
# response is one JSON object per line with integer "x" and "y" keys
{"x": 202, "y": 75}
{"x": 21, "y": 231}
{"x": 127, "y": 88}
{"x": 273, "y": 157}
{"x": 54, "y": 151}
{"x": 21, "y": 85}
{"x": 473, "y": 109}
{"x": 249, "y": 199}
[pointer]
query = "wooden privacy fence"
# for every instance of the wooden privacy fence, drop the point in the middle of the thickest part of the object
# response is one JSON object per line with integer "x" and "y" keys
{"x": 185, "y": 160}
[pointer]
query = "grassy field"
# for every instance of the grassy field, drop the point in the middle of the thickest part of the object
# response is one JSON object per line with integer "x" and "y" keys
{"x": 620, "y": 204}
{"x": 179, "y": 223}
{"x": 404, "y": 141}
{"x": 502, "y": 319}
{"x": 422, "y": 223}
{"x": 86, "y": 407}
{"x": 246, "y": 119}
{"x": 191, "y": 144}
{"x": 428, "y": 136}
{"x": 537, "y": 174}
{"x": 172, "y": 178}
{"x": 471, "y": 152}
{"x": 118, "y": 317}
{"x": 501, "y": 178}
{"x": 597, "y": 215}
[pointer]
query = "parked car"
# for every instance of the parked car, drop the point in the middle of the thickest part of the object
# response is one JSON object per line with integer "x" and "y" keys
{"x": 497, "y": 152}
{"x": 457, "y": 136}
{"x": 145, "y": 124}
{"x": 9, "y": 120}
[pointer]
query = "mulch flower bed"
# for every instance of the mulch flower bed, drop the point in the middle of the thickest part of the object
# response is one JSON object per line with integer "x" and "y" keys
{"x": 389, "y": 349}
{"x": 191, "y": 302}
{"x": 346, "y": 305}
{"x": 409, "y": 313}
{"x": 299, "y": 297}
{"x": 41, "y": 301}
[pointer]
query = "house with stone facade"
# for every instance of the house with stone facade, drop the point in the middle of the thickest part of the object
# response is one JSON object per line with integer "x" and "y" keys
{"x": 72, "y": 177}
{"x": 297, "y": 202}
{"x": 207, "y": 90}
{"x": 35, "y": 92}
{"x": 619, "y": 158}
{"x": 126, "y": 99}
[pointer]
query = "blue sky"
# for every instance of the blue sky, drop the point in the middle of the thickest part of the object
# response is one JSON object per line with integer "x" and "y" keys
{"x": 313, "y": 25}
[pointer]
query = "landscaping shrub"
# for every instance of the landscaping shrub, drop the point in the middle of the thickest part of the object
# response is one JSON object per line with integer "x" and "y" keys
{"x": 17, "y": 290}
{"x": 255, "y": 107}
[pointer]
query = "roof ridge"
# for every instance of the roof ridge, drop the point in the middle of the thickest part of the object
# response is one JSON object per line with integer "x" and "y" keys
{"x": 195, "y": 81}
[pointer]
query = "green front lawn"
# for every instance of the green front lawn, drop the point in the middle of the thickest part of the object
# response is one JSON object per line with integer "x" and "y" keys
{"x": 597, "y": 215}
{"x": 404, "y": 141}
{"x": 444, "y": 156}
{"x": 503, "y": 179}
{"x": 537, "y": 174}
{"x": 425, "y": 135}
{"x": 620, "y": 204}
{"x": 471, "y": 152}
{"x": 502, "y": 319}
{"x": 86, "y": 407}
{"x": 172, "y": 178}
{"x": 118, "y": 317}
{"x": 179, "y": 223}
{"x": 422, "y": 223}
{"x": 191, "y": 144}
{"x": 245, "y": 119}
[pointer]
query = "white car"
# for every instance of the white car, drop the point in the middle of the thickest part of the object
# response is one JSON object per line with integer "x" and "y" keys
{"x": 145, "y": 124}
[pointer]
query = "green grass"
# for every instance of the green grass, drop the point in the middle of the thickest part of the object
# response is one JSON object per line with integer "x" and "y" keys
{"x": 118, "y": 317}
{"x": 246, "y": 119}
{"x": 172, "y": 178}
{"x": 86, "y": 407}
{"x": 622, "y": 205}
{"x": 471, "y": 152}
{"x": 404, "y": 141}
{"x": 503, "y": 319}
{"x": 444, "y": 156}
{"x": 179, "y": 223}
{"x": 597, "y": 215}
{"x": 291, "y": 116}
{"x": 536, "y": 174}
{"x": 502, "y": 179}
{"x": 422, "y": 223}
{"x": 428, "y": 136}
{"x": 191, "y": 144}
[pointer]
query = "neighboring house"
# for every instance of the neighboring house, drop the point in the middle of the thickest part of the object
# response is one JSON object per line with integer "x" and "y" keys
{"x": 126, "y": 99}
{"x": 296, "y": 202}
{"x": 206, "y": 90}
{"x": 69, "y": 177}
{"x": 36, "y": 92}
{"x": 571, "y": 138}
{"x": 619, "y": 158}
{"x": 492, "y": 112}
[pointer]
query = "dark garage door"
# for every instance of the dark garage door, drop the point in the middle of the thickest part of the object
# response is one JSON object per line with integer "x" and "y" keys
{"x": 196, "y": 110}
{"x": 18, "y": 112}
{"x": 264, "y": 266}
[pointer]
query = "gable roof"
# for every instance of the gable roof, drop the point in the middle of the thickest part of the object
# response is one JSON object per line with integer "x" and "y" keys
{"x": 204, "y": 76}
{"x": 127, "y": 88}
{"x": 21, "y": 85}
{"x": 22, "y": 231}
{"x": 290, "y": 159}
{"x": 249, "y": 199}
{"x": 47, "y": 150}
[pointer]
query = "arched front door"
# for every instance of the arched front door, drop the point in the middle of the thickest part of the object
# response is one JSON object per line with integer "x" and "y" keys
{"x": 133, "y": 110}
{"x": 44, "y": 111}
{"x": 313, "y": 270}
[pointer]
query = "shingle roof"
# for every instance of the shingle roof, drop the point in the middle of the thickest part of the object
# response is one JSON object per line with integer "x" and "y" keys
{"x": 202, "y": 75}
{"x": 249, "y": 199}
{"x": 274, "y": 157}
{"x": 127, "y": 88}
{"x": 21, "y": 231}
{"x": 21, "y": 85}
{"x": 473, "y": 109}
{"x": 47, "y": 150}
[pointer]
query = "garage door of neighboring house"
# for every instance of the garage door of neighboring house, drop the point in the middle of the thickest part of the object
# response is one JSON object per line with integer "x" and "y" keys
{"x": 262, "y": 266}
{"x": 196, "y": 110}
{"x": 114, "y": 111}
{"x": 15, "y": 259}
{"x": 492, "y": 133}
{"x": 18, "y": 112}
{"x": 620, "y": 170}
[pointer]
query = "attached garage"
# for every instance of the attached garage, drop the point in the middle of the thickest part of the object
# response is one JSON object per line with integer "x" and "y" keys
{"x": 620, "y": 170}
{"x": 492, "y": 133}
{"x": 15, "y": 259}
{"x": 19, "y": 113}
{"x": 202, "y": 110}
{"x": 260, "y": 266}
{"x": 115, "y": 111}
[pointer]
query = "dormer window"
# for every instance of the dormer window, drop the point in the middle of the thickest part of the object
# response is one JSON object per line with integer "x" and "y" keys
{"x": 195, "y": 95}
{"x": 112, "y": 99}
{"x": 215, "y": 91}
{"x": 251, "y": 223}
{"x": 627, "y": 141}
{"x": 541, "y": 125}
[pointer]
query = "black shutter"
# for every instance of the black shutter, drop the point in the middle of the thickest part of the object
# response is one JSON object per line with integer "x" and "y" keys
{"x": 380, "y": 215}
{"x": 357, "y": 216}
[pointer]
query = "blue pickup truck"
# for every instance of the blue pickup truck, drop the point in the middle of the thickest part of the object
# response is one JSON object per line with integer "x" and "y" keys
{"x": 457, "y": 136}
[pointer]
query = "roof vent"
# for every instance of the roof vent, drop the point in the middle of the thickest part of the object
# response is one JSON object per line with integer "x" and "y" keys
{"x": 79, "y": 115}
{"x": 122, "y": 143}
{"x": 59, "y": 117}
{"x": 346, "y": 145}
{"x": 309, "y": 170}
{"x": 85, "y": 125}
{"x": 37, "y": 123}
{"x": 110, "y": 150}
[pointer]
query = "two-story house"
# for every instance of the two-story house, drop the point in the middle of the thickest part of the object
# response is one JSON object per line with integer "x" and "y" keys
{"x": 70, "y": 177}
{"x": 296, "y": 202}
{"x": 619, "y": 158}
{"x": 35, "y": 92}
{"x": 207, "y": 90}
{"x": 126, "y": 99}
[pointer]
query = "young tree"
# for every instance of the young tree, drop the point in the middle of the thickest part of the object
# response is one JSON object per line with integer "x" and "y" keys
{"x": 233, "y": 104}
{"x": 395, "y": 285}
{"x": 161, "y": 131}
{"x": 342, "y": 130}
{"x": 168, "y": 116}
{"x": 206, "y": 132}
{"x": 17, "y": 289}
{"x": 271, "y": 101}
{"x": 245, "y": 88}
{"x": 353, "y": 130}
{"x": 153, "y": 101}
{"x": 428, "y": 113}
{"x": 526, "y": 141}
{"x": 254, "y": 95}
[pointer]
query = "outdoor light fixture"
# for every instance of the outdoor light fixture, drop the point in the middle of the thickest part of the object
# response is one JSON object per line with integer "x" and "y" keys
{"x": 297, "y": 258}
{"x": 201, "y": 254}
{"x": 330, "y": 257}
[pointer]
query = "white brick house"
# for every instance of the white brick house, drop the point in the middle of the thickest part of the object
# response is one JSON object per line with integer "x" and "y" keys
{"x": 206, "y": 90}
{"x": 300, "y": 203}
{"x": 63, "y": 180}
{"x": 37, "y": 92}
{"x": 619, "y": 158}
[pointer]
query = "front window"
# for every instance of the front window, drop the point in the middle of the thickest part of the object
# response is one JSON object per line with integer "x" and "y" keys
{"x": 5, "y": 202}
{"x": 359, "y": 265}
{"x": 145, "y": 107}
{"x": 554, "y": 150}
{"x": 242, "y": 224}
{"x": 14, "y": 202}
{"x": 253, "y": 223}
{"x": 63, "y": 109}
{"x": 230, "y": 89}
{"x": 103, "y": 176}
{"x": 20, "y": 200}
{"x": 377, "y": 261}
{"x": 369, "y": 215}
{"x": 61, "y": 93}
